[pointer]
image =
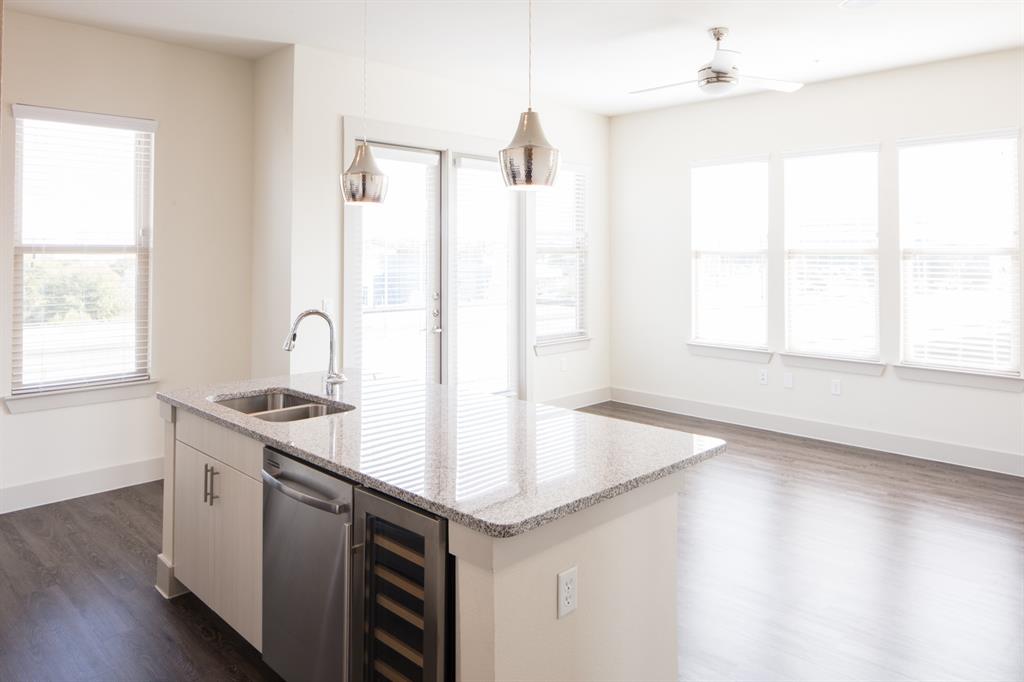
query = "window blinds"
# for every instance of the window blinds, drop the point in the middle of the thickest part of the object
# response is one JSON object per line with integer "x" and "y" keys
{"x": 961, "y": 254}
{"x": 831, "y": 236}
{"x": 729, "y": 233}
{"x": 82, "y": 249}
{"x": 561, "y": 260}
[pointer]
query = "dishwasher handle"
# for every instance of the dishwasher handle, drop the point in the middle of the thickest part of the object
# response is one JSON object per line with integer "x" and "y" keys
{"x": 306, "y": 499}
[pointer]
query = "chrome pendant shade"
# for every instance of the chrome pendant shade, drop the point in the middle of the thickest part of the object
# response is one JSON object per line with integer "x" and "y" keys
{"x": 529, "y": 160}
{"x": 364, "y": 182}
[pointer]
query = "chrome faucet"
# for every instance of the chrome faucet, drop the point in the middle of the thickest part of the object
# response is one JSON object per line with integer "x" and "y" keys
{"x": 334, "y": 377}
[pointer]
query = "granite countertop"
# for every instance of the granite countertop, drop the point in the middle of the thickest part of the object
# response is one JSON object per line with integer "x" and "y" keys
{"x": 498, "y": 465}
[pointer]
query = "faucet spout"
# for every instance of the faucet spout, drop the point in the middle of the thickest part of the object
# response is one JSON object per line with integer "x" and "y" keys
{"x": 334, "y": 377}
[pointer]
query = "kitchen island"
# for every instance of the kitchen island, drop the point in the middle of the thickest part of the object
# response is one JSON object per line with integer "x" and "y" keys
{"x": 526, "y": 491}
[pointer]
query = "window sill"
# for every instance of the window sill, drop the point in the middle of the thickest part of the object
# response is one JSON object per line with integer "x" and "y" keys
{"x": 759, "y": 355}
{"x": 956, "y": 377}
{"x": 872, "y": 368}
{"x": 106, "y": 393}
{"x": 567, "y": 345}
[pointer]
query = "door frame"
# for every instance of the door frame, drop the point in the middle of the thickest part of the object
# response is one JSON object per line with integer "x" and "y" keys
{"x": 449, "y": 145}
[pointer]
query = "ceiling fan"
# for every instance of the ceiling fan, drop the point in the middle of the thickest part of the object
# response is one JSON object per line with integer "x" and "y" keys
{"x": 721, "y": 73}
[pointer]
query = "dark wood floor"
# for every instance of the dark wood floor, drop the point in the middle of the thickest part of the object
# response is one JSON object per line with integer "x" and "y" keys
{"x": 803, "y": 560}
{"x": 799, "y": 560}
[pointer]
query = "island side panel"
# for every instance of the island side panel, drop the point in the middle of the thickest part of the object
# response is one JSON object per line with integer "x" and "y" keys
{"x": 166, "y": 584}
{"x": 625, "y": 625}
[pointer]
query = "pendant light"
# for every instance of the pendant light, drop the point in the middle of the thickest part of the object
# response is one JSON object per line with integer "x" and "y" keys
{"x": 529, "y": 161}
{"x": 364, "y": 182}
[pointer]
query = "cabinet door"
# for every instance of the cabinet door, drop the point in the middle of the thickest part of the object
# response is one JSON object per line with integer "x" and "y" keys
{"x": 237, "y": 514}
{"x": 193, "y": 536}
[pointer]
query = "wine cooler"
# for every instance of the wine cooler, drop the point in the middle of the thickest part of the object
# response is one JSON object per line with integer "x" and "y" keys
{"x": 401, "y": 593}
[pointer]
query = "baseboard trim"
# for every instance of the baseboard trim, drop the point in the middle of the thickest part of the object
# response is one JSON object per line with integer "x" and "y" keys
{"x": 578, "y": 400}
{"x": 76, "y": 485}
{"x": 936, "y": 451}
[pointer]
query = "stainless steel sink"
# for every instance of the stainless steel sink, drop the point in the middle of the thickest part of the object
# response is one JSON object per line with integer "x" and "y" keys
{"x": 280, "y": 405}
{"x": 291, "y": 414}
{"x": 272, "y": 400}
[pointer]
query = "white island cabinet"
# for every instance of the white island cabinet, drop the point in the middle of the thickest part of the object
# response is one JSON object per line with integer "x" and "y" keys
{"x": 523, "y": 492}
{"x": 215, "y": 543}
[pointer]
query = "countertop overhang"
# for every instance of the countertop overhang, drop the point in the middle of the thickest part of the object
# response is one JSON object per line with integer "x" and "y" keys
{"x": 497, "y": 465}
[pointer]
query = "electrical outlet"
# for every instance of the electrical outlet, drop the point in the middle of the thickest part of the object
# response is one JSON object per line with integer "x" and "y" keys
{"x": 787, "y": 380}
{"x": 837, "y": 387}
{"x": 762, "y": 376}
{"x": 568, "y": 592}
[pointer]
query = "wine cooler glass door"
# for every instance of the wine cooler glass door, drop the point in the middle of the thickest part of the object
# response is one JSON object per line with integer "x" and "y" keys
{"x": 400, "y": 592}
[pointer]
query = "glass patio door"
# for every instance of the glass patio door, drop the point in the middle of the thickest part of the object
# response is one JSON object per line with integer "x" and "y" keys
{"x": 438, "y": 271}
{"x": 401, "y": 283}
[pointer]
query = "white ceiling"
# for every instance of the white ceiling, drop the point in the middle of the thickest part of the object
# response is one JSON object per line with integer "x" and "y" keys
{"x": 588, "y": 53}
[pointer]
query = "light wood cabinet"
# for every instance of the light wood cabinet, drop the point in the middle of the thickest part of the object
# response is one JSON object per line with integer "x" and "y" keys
{"x": 218, "y": 541}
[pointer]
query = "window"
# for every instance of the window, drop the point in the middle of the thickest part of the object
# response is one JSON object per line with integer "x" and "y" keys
{"x": 961, "y": 254}
{"x": 561, "y": 265}
{"x": 831, "y": 232}
{"x": 82, "y": 249}
{"x": 729, "y": 232}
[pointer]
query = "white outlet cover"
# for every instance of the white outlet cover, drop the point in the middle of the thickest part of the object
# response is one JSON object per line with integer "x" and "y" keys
{"x": 787, "y": 380}
{"x": 762, "y": 376}
{"x": 568, "y": 592}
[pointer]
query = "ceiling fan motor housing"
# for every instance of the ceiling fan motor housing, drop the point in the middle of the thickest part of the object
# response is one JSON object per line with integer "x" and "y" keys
{"x": 714, "y": 81}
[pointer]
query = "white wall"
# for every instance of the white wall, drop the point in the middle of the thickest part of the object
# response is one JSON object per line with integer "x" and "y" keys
{"x": 202, "y": 238}
{"x": 326, "y": 87}
{"x": 272, "y": 210}
{"x": 651, "y": 269}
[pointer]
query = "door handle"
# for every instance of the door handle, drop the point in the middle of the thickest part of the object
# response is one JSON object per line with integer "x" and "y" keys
{"x": 298, "y": 496}
{"x": 436, "y": 330}
{"x": 213, "y": 472}
{"x": 346, "y": 631}
{"x": 206, "y": 483}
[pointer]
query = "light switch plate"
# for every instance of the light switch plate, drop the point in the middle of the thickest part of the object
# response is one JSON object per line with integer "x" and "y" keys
{"x": 568, "y": 592}
{"x": 837, "y": 387}
{"x": 787, "y": 380}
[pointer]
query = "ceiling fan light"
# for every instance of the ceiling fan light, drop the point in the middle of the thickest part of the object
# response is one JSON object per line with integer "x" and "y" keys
{"x": 529, "y": 161}
{"x": 364, "y": 182}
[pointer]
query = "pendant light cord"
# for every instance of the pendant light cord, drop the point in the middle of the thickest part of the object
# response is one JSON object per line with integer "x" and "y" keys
{"x": 365, "y": 12}
{"x": 529, "y": 60}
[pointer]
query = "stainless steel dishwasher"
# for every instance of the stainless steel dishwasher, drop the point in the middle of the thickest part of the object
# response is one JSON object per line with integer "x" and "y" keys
{"x": 307, "y": 571}
{"x": 357, "y": 587}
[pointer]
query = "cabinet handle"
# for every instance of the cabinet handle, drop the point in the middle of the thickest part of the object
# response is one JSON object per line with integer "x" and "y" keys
{"x": 213, "y": 472}
{"x": 206, "y": 483}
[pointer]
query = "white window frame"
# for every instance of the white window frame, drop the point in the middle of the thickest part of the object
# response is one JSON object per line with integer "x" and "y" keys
{"x": 793, "y": 353}
{"x": 916, "y": 371}
{"x": 711, "y": 347}
{"x": 142, "y": 249}
{"x": 579, "y": 338}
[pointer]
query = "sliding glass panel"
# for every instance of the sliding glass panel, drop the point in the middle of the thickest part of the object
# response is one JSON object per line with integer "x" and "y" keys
{"x": 400, "y": 287}
{"x": 484, "y": 310}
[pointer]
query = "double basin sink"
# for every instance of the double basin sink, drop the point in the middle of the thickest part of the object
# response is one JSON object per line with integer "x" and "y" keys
{"x": 281, "y": 405}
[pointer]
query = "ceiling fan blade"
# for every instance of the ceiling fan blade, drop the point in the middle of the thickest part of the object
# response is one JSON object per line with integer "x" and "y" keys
{"x": 724, "y": 61}
{"x": 772, "y": 83}
{"x": 662, "y": 87}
